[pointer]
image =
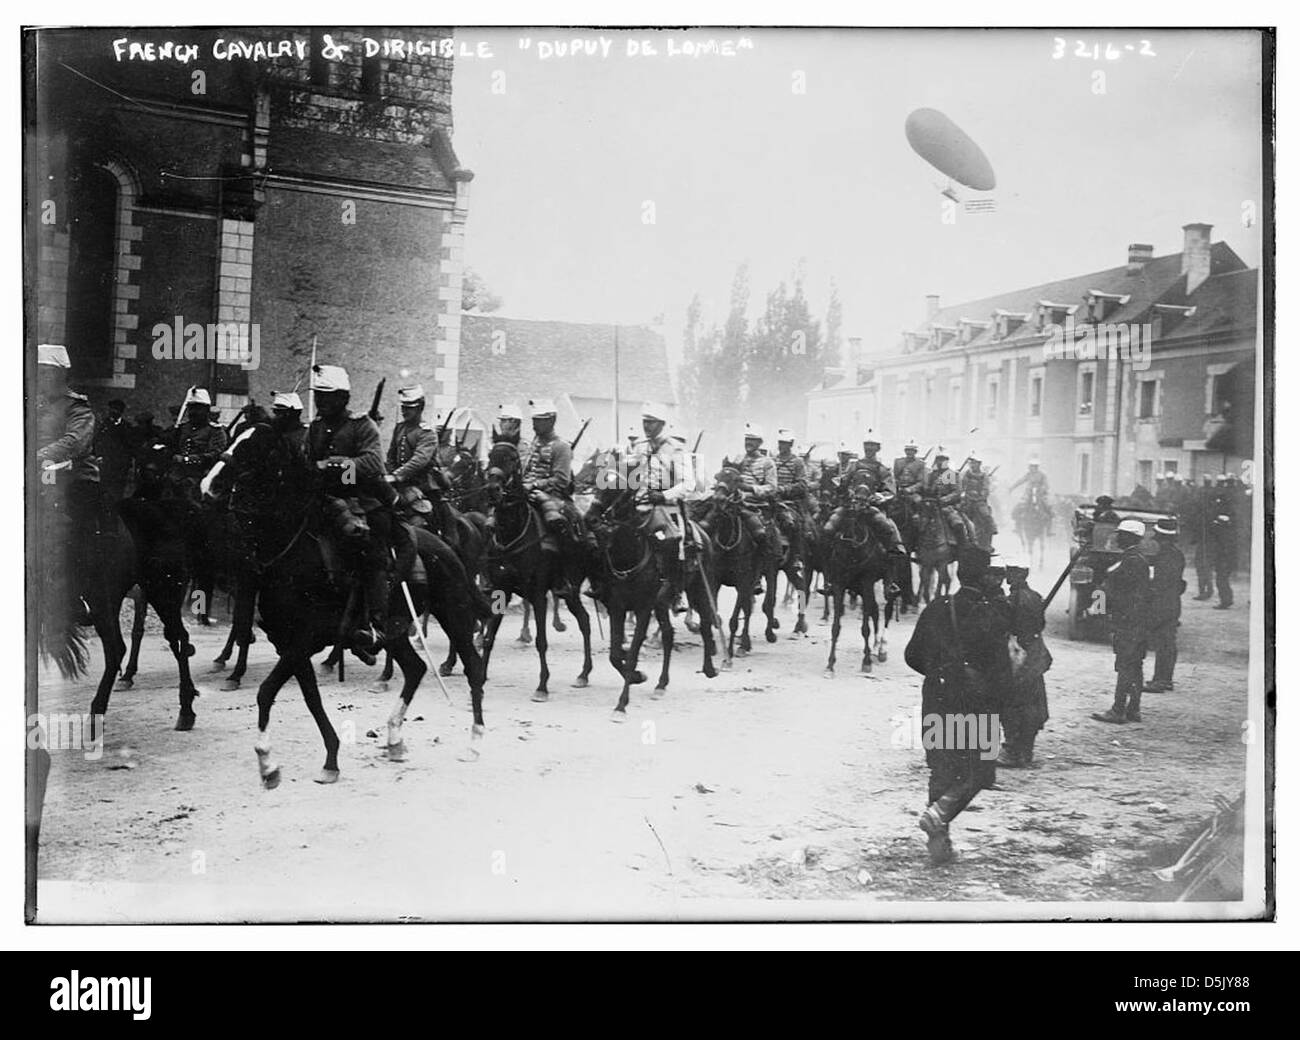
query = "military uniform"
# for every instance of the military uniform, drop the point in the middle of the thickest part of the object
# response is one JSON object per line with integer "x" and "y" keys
{"x": 758, "y": 476}
{"x": 663, "y": 476}
{"x": 1025, "y": 710}
{"x": 1128, "y": 601}
{"x": 199, "y": 445}
{"x": 876, "y": 477}
{"x": 548, "y": 473}
{"x": 1221, "y": 539}
{"x": 944, "y": 487}
{"x": 960, "y": 646}
{"x": 791, "y": 495}
{"x": 1167, "y": 588}
{"x": 412, "y": 453}
{"x": 909, "y": 475}
{"x": 1034, "y": 480}
{"x": 975, "y": 506}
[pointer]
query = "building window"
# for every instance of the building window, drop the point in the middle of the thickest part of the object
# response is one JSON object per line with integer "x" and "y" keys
{"x": 1146, "y": 473}
{"x": 92, "y": 271}
{"x": 372, "y": 76}
{"x": 1220, "y": 393}
{"x": 1085, "y": 473}
{"x": 320, "y": 66}
{"x": 1169, "y": 468}
{"x": 1087, "y": 381}
{"x": 1036, "y": 396}
{"x": 991, "y": 397}
{"x": 902, "y": 406}
{"x": 1148, "y": 398}
{"x": 954, "y": 403}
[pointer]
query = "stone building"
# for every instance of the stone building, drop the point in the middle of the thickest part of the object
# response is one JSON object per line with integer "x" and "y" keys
{"x": 175, "y": 206}
{"x": 1112, "y": 378}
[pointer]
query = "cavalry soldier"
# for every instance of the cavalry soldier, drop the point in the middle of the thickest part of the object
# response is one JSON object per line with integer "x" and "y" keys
{"x": 506, "y": 428}
{"x": 960, "y": 646}
{"x": 245, "y": 496}
{"x": 343, "y": 447}
{"x": 664, "y": 479}
{"x": 1128, "y": 601}
{"x": 758, "y": 477}
{"x": 942, "y": 484}
{"x": 835, "y": 478}
{"x": 198, "y": 442}
{"x": 1034, "y": 478}
{"x": 548, "y": 473}
{"x": 791, "y": 489}
{"x": 1167, "y": 588}
{"x": 975, "y": 501}
{"x": 909, "y": 471}
{"x": 413, "y": 448}
{"x": 114, "y": 446}
{"x": 871, "y": 471}
{"x": 69, "y": 477}
{"x": 869, "y": 501}
{"x": 1025, "y": 711}
{"x": 1222, "y": 538}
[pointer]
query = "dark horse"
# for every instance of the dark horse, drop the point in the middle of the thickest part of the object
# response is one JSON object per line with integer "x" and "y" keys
{"x": 146, "y": 547}
{"x": 517, "y": 561}
{"x": 934, "y": 549}
{"x": 854, "y": 562}
{"x": 302, "y": 606}
{"x": 739, "y": 562}
{"x": 642, "y": 578}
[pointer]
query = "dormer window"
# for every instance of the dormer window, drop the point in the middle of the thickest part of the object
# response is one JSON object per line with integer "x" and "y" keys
{"x": 1050, "y": 313}
{"x": 941, "y": 336}
{"x": 969, "y": 328}
{"x": 1101, "y": 305}
{"x": 1165, "y": 317}
{"x": 1007, "y": 322}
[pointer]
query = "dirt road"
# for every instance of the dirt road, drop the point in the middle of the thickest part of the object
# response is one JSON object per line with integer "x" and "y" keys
{"x": 769, "y": 783}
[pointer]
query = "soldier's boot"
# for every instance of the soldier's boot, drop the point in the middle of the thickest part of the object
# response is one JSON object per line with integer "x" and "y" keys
{"x": 937, "y": 842}
{"x": 1117, "y": 711}
{"x": 376, "y": 599}
{"x": 1134, "y": 711}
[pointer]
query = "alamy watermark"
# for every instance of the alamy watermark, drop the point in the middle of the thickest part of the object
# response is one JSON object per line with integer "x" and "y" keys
{"x": 1103, "y": 341}
{"x": 948, "y": 731}
{"x": 230, "y": 342}
{"x": 67, "y": 732}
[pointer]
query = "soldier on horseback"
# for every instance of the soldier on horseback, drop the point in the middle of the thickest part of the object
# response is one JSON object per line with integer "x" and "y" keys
{"x": 506, "y": 428}
{"x": 1035, "y": 480}
{"x": 758, "y": 477}
{"x": 791, "y": 492}
{"x": 909, "y": 471}
{"x": 942, "y": 485}
{"x": 874, "y": 476}
{"x": 975, "y": 502}
{"x": 548, "y": 477}
{"x": 343, "y": 447}
{"x": 413, "y": 464}
{"x": 196, "y": 443}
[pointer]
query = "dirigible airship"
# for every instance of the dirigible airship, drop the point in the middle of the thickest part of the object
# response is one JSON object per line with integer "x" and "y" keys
{"x": 947, "y": 147}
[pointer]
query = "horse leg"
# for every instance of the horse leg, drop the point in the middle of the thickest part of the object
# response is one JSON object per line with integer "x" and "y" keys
{"x": 629, "y": 666}
{"x": 579, "y": 611}
{"x": 490, "y": 637}
{"x": 699, "y": 601}
{"x": 557, "y": 622}
{"x": 735, "y": 621}
{"x": 665, "y": 619}
{"x": 541, "y": 694}
{"x": 870, "y": 617}
{"x": 109, "y": 630}
{"x": 525, "y": 636}
{"x": 306, "y": 676}
{"x": 801, "y": 600}
{"x": 335, "y": 656}
{"x": 139, "y": 613}
{"x": 219, "y": 662}
{"x": 745, "y": 600}
{"x": 617, "y": 631}
{"x": 837, "y": 595}
{"x": 270, "y": 686}
{"x": 769, "y": 606}
{"x": 167, "y": 605}
{"x": 413, "y": 669}
{"x": 241, "y": 631}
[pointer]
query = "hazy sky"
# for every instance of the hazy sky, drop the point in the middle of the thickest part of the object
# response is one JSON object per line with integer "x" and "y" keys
{"x": 741, "y": 167}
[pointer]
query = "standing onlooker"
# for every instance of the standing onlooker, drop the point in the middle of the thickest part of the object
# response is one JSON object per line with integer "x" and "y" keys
{"x": 1167, "y": 588}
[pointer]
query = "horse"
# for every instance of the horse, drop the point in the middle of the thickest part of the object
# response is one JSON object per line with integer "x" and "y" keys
{"x": 1033, "y": 517}
{"x": 739, "y": 563}
{"x": 642, "y": 579}
{"x": 902, "y": 510}
{"x": 517, "y": 560}
{"x": 796, "y": 563}
{"x": 302, "y": 608}
{"x": 854, "y": 562}
{"x": 934, "y": 550}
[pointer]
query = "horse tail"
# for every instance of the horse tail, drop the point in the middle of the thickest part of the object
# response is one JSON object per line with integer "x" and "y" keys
{"x": 60, "y": 640}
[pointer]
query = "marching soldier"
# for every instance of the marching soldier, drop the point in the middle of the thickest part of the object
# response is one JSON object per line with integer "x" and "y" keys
{"x": 975, "y": 502}
{"x": 413, "y": 449}
{"x": 960, "y": 646}
{"x": 942, "y": 484}
{"x": 1025, "y": 710}
{"x": 1128, "y": 602}
{"x": 548, "y": 473}
{"x": 1167, "y": 588}
{"x": 343, "y": 447}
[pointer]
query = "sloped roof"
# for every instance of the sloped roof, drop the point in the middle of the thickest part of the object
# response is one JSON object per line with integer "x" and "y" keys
{"x": 551, "y": 358}
{"x": 1159, "y": 280}
{"x": 1223, "y": 302}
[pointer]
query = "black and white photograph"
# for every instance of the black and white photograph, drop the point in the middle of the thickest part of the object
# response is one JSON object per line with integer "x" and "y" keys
{"x": 591, "y": 473}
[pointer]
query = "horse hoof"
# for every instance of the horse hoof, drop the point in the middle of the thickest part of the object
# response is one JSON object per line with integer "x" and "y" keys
{"x": 189, "y": 649}
{"x": 580, "y": 683}
{"x": 776, "y": 623}
{"x": 271, "y": 780}
{"x": 540, "y": 697}
{"x": 618, "y": 715}
{"x": 657, "y": 694}
{"x": 230, "y": 684}
{"x": 524, "y": 640}
{"x": 396, "y": 752}
{"x": 829, "y": 673}
{"x": 185, "y": 721}
{"x": 326, "y": 667}
{"x": 710, "y": 672}
{"x": 470, "y": 754}
{"x": 328, "y": 776}
{"x": 638, "y": 677}
{"x": 379, "y": 686}
{"x": 692, "y": 628}
{"x": 218, "y": 665}
{"x": 770, "y": 636}
{"x": 560, "y": 626}
{"x": 882, "y": 655}
{"x": 446, "y": 669}
{"x": 124, "y": 683}
{"x": 800, "y": 627}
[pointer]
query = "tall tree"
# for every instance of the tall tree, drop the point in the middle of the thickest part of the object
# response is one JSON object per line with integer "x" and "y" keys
{"x": 834, "y": 349}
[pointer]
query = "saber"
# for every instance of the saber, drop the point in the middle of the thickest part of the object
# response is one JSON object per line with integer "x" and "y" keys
{"x": 410, "y": 607}
{"x": 704, "y": 577}
{"x": 311, "y": 393}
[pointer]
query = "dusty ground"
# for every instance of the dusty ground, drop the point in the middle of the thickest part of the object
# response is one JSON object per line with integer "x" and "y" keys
{"x": 766, "y": 784}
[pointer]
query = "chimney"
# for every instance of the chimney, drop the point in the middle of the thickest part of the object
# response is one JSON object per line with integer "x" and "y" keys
{"x": 1139, "y": 253}
{"x": 931, "y": 306}
{"x": 855, "y": 348}
{"x": 1196, "y": 254}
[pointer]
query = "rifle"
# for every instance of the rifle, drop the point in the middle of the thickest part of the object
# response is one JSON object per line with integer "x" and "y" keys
{"x": 460, "y": 437}
{"x": 574, "y": 443}
{"x": 1064, "y": 574}
{"x": 374, "y": 402}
